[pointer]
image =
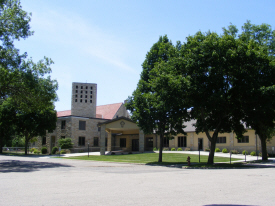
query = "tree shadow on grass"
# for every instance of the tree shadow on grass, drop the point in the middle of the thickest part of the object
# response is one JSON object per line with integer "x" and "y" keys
{"x": 26, "y": 166}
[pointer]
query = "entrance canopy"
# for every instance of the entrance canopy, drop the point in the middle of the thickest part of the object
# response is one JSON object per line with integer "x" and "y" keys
{"x": 121, "y": 126}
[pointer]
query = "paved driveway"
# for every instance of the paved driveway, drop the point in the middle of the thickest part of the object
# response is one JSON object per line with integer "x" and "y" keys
{"x": 40, "y": 181}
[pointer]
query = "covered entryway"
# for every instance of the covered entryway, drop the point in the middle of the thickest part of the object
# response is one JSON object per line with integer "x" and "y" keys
{"x": 122, "y": 135}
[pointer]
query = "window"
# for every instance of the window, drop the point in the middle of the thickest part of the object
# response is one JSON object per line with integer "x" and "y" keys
{"x": 221, "y": 140}
{"x": 80, "y": 96}
{"x": 81, "y": 91}
{"x": 91, "y": 101}
{"x": 82, "y": 125}
{"x": 44, "y": 140}
{"x": 76, "y": 87}
{"x": 122, "y": 142}
{"x": 63, "y": 137}
{"x": 165, "y": 142}
{"x": 76, "y": 91}
{"x": 95, "y": 141}
{"x": 91, "y": 92}
{"x": 81, "y": 141}
{"x": 63, "y": 124}
{"x": 81, "y": 87}
{"x": 244, "y": 139}
{"x": 149, "y": 142}
{"x": 98, "y": 129}
{"x": 75, "y": 100}
{"x": 91, "y": 96}
{"x": 86, "y": 87}
{"x": 86, "y": 92}
{"x": 182, "y": 141}
{"x": 91, "y": 87}
{"x": 85, "y": 96}
{"x": 81, "y": 100}
{"x": 85, "y": 100}
{"x": 76, "y": 96}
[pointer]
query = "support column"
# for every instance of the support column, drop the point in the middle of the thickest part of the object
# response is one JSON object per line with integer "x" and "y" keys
{"x": 141, "y": 141}
{"x": 102, "y": 140}
{"x": 109, "y": 142}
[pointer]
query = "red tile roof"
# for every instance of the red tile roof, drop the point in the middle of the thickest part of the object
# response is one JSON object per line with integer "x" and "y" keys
{"x": 108, "y": 111}
{"x": 64, "y": 113}
{"x": 104, "y": 111}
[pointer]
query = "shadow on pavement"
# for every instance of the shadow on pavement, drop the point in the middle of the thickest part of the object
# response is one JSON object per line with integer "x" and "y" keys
{"x": 26, "y": 166}
{"x": 227, "y": 205}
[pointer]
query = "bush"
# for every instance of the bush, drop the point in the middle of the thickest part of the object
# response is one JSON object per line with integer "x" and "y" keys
{"x": 165, "y": 149}
{"x": 253, "y": 153}
{"x": 187, "y": 149}
{"x": 63, "y": 151}
{"x": 179, "y": 149}
{"x": 155, "y": 149}
{"x": 65, "y": 143}
{"x": 234, "y": 151}
{"x": 207, "y": 149}
{"x": 44, "y": 150}
{"x": 32, "y": 150}
{"x": 217, "y": 150}
{"x": 245, "y": 152}
{"x": 54, "y": 150}
{"x": 224, "y": 150}
{"x": 36, "y": 151}
{"x": 173, "y": 149}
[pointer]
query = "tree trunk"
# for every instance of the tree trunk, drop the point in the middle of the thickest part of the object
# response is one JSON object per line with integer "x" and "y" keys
{"x": 212, "y": 152}
{"x": 160, "y": 147}
{"x": 213, "y": 141}
{"x": 264, "y": 151}
{"x": 1, "y": 145}
{"x": 26, "y": 145}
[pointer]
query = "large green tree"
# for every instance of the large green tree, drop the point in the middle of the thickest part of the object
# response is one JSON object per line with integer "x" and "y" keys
{"x": 35, "y": 123}
{"x": 152, "y": 104}
{"x": 256, "y": 79}
{"x": 209, "y": 60}
{"x": 26, "y": 83}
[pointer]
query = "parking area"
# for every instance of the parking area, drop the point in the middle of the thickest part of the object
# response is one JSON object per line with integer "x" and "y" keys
{"x": 53, "y": 181}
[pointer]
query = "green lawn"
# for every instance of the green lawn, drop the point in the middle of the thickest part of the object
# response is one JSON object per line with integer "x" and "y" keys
{"x": 152, "y": 158}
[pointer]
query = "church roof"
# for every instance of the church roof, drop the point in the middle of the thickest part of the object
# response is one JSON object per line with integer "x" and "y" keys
{"x": 107, "y": 111}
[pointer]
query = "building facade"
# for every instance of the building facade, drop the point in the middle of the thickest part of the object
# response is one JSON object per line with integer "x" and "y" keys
{"x": 109, "y": 127}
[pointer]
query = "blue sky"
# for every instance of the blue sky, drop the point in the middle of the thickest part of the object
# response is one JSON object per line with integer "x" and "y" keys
{"x": 105, "y": 42}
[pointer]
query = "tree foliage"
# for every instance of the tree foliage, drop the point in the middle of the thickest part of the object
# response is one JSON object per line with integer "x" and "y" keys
{"x": 152, "y": 104}
{"x": 26, "y": 88}
{"x": 65, "y": 143}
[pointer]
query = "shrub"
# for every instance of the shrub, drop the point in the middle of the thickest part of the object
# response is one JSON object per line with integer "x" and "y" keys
{"x": 130, "y": 153}
{"x": 179, "y": 149}
{"x": 173, "y": 149}
{"x": 44, "y": 150}
{"x": 155, "y": 149}
{"x": 63, "y": 151}
{"x": 217, "y": 150}
{"x": 187, "y": 149}
{"x": 32, "y": 150}
{"x": 65, "y": 143}
{"x": 253, "y": 153}
{"x": 260, "y": 154}
{"x": 54, "y": 150}
{"x": 245, "y": 152}
{"x": 35, "y": 151}
{"x": 224, "y": 150}
{"x": 234, "y": 151}
{"x": 165, "y": 149}
{"x": 207, "y": 149}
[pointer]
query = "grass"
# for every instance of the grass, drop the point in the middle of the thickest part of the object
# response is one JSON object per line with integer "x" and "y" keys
{"x": 152, "y": 158}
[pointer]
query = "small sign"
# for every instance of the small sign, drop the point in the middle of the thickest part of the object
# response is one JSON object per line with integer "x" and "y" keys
{"x": 59, "y": 149}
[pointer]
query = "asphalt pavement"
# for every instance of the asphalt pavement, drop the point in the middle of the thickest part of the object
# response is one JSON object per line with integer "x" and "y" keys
{"x": 54, "y": 181}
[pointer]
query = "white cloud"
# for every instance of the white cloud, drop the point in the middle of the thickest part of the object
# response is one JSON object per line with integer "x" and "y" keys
{"x": 88, "y": 39}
